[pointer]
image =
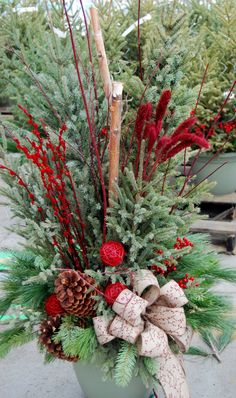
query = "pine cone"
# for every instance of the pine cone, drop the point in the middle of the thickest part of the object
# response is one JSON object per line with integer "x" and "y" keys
{"x": 47, "y": 329}
{"x": 72, "y": 292}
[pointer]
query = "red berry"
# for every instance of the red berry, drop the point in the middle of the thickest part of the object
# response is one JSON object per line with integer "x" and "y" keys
{"x": 20, "y": 182}
{"x": 104, "y": 131}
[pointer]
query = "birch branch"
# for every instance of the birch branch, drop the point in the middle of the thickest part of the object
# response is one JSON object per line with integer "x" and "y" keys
{"x": 101, "y": 53}
{"x": 115, "y": 133}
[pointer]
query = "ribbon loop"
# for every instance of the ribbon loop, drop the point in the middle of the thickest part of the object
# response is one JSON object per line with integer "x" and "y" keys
{"x": 172, "y": 295}
{"x": 130, "y": 307}
{"x": 124, "y": 330}
{"x": 183, "y": 341}
{"x": 147, "y": 342}
{"x": 101, "y": 327}
{"x": 171, "y": 320}
{"x": 146, "y": 285}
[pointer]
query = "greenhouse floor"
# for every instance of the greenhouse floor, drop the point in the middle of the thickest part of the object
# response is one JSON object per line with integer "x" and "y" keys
{"x": 24, "y": 375}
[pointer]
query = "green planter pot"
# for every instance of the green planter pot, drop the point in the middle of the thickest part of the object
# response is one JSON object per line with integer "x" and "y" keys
{"x": 225, "y": 177}
{"x": 90, "y": 380}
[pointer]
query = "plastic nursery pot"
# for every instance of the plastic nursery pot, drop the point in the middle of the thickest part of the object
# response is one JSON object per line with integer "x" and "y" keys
{"x": 225, "y": 177}
{"x": 90, "y": 380}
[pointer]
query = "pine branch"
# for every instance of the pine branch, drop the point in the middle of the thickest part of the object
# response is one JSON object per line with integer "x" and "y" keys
{"x": 77, "y": 341}
{"x": 125, "y": 364}
{"x": 14, "y": 337}
{"x": 206, "y": 310}
{"x": 198, "y": 351}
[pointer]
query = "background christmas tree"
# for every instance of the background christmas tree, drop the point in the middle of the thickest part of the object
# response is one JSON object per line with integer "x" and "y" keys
{"x": 213, "y": 32}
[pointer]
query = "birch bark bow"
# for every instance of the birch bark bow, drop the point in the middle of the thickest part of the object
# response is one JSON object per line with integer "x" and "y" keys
{"x": 146, "y": 317}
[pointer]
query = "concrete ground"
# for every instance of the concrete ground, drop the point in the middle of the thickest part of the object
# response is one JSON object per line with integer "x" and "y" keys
{"x": 24, "y": 375}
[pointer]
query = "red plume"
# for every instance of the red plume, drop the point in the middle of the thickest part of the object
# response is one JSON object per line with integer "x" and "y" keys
{"x": 150, "y": 134}
{"x": 186, "y": 124}
{"x": 163, "y": 104}
{"x": 143, "y": 115}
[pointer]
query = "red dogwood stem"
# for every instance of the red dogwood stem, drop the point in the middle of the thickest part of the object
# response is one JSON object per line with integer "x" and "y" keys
{"x": 92, "y": 135}
{"x": 197, "y": 103}
{"x": 139, "y": 41}
{"x": 90, "y": 54}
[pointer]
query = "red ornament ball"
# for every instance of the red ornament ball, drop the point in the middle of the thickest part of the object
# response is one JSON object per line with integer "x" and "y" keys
{"x": 112, "y": 292}
{"x": 112, "y": 253}
{"x": 52, "y": 306}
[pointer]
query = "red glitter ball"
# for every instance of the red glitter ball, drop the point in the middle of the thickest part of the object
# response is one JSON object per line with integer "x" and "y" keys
{"x": 52, "y": 306}
{"x": 112, "y": 292}
{"x": 112, "y": 253}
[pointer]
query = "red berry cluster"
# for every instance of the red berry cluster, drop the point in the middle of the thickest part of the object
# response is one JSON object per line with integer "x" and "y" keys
{"x": 160, "y": 251}
{"x": 171, "y": 263}
{"x": 158, "y": 270}
{"x": 170, "y": 267}
{"x": 209, "y": 131}
{"x": 181, "y": 243}
{"x": 50, "y": 160}
{"x": 228, "y": 126}
{"x": 183, "y": 282}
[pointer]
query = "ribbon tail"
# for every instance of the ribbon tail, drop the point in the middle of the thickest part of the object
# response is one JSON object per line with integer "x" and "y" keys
{"x": 171, "y": 376}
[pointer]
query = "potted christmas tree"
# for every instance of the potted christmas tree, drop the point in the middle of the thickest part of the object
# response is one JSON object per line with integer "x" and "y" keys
{"x": 110, "y": 278}
{"x": 215, "y": 25}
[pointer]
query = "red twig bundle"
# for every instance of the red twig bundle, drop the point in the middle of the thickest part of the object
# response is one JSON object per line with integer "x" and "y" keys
{"x": 50, "y": 160}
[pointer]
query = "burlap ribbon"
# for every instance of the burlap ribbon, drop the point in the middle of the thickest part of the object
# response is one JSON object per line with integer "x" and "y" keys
{"x": 145, "y": 316}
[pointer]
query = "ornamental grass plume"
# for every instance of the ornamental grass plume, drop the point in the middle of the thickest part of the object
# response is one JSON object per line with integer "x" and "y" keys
{"x": 160, "y": 144}
{"x": 144, "y": 114}
{"x": 162, "y": 105}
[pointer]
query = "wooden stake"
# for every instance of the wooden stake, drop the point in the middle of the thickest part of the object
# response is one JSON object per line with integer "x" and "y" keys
{"x": 115, "y": 132}
{"x": 101, "y": 53}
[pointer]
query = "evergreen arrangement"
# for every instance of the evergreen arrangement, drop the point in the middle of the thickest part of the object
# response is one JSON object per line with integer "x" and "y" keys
{"x": 110, "y": 273}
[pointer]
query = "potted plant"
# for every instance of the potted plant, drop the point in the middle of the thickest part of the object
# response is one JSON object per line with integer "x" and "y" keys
{"x": 219, "y": 163}
{"x": 215, "y": 106}
{"x": 110, "y": 278}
